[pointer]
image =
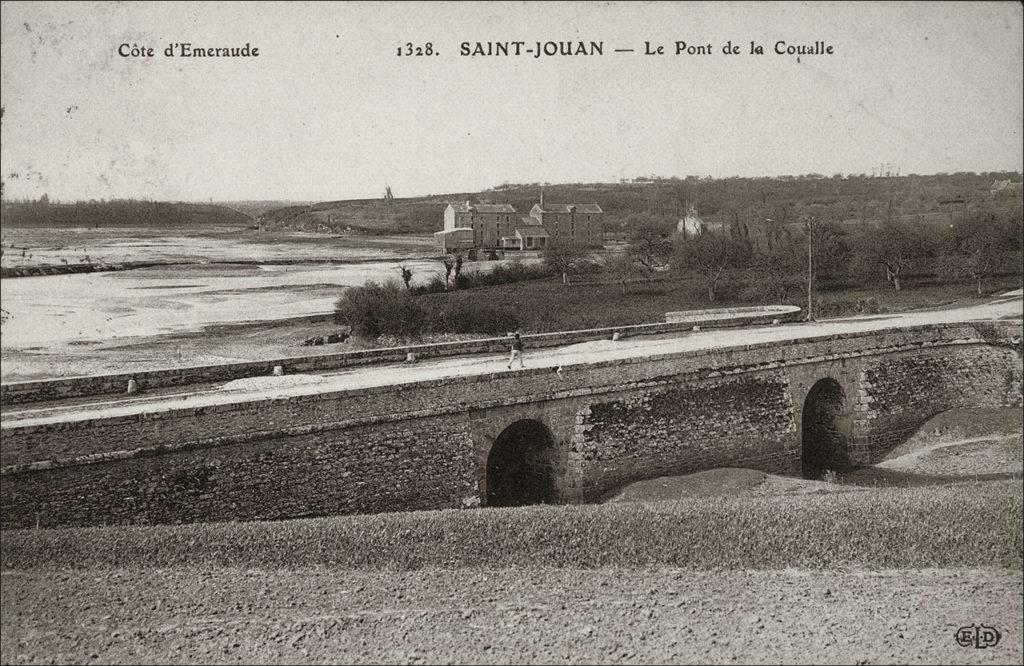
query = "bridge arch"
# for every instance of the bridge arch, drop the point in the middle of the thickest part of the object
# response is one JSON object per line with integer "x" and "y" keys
{"x": 522, "y": 466}
{"x": 824, "y": 430}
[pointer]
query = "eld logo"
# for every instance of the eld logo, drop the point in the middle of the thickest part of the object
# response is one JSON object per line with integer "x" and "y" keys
{"x": 979, "y": 636}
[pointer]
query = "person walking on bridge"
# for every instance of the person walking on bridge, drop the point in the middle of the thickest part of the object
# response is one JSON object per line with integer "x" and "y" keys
{"x": 516, "y": 351}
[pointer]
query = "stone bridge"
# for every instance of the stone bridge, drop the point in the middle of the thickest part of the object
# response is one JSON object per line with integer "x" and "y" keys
{"x": 509, "y": 438}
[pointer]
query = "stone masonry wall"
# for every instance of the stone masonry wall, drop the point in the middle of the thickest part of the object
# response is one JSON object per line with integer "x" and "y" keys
{"x": 426, "y": 463}
{"x": 254, "y": 420}
{"x": 421, "y": 445}
{"x": 737, "y": 421}
{"x": 896, "y": 394}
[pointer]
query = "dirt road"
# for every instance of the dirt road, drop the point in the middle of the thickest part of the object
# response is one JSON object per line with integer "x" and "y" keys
{"x": 556, "y": 616}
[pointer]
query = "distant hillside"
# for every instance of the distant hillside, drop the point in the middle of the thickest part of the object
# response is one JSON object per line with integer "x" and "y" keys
{"x": 119, "y": 214}
{"x": 401, "y": 216}
{"x": 256, "y": 208}
{"x": 852, "y": 198}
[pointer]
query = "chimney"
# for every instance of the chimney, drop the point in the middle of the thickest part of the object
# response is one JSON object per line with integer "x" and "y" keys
{"x": 542, "y": 198}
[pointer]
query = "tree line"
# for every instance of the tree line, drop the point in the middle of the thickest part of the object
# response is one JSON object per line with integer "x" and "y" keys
{"x": 767, "y": 264}
{"x": 772, "y": 262}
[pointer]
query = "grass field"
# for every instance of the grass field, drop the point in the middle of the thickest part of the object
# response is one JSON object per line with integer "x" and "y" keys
{"x": 967, "y": 524}
{"x": 548, "y": 305}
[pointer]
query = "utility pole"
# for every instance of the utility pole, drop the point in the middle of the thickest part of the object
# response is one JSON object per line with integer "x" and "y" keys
{"x": 809, "y": 224}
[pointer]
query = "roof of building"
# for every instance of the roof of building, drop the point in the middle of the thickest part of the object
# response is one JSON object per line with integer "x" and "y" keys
{"x": 460, "y": 230}
{"x": 1005, "y": 185}
{"x": 570, "y": 208}
{"x": 466, "y": 207}
{"x": 532, "y": 231}
{"x": 528, "y": 222}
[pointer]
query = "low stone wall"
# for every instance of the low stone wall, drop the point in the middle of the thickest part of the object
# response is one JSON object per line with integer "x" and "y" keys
{"x": 55, "y": 389}
{"x": 768, "y": 312}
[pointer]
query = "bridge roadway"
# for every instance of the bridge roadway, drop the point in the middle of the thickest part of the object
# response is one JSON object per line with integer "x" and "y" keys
{"x": 1008, "y": 305}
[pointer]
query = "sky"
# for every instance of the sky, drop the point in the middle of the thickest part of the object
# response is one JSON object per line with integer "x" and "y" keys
{"x": 329, "y": 111}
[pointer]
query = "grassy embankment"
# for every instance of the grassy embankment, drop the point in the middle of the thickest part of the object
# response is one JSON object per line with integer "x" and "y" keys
{"x": 969, "y": 524}
{"x": 548, "y": 305}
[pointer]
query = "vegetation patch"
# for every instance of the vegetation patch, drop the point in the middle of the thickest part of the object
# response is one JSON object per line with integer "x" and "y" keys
{"x": 119, "y": 213}
{"x": 960, "y": 525}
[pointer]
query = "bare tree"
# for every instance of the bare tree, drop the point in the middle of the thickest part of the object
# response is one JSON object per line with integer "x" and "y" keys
{"x": 981, "y": 248}
{"x": 710, "y": 255}
{"x": 449, "y": 264}
{"x": 406, "y": 276}
{"x": 564, "y": 259}
{"x": 895, "y": 248}
{"x": 620, "y": 268}
{"x": 775, "y": 229}
{"x": 649, "y": 245}
{"x": 683, "y": 194}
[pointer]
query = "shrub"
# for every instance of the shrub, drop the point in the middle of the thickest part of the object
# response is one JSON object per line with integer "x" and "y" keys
{"x": 434, "y": 285}
{"x": 467, "y": 317}
{"x": 772, "y": 278}
{"x": 501, "y": 274}
{"x": 380, "y": 309}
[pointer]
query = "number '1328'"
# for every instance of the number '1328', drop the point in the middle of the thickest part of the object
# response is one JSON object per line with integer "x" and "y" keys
{"x": 411, "y": 50}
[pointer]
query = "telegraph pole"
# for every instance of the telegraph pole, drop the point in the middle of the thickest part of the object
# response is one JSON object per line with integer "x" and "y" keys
{"x": 809, "y": 223}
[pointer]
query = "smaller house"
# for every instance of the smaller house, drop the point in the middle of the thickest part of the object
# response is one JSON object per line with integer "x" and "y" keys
{"x": 1005, "y": 187}
{"x": 691, "y": 226}
{"x": 453, "y": 240}
{"x": 531, "y": 234}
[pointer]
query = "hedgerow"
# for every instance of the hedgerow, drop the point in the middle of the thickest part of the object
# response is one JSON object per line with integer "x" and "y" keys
{"x": 949, "y": 526}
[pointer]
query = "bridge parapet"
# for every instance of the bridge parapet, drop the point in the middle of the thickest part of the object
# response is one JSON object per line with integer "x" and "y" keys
{"x": 13, "y": 393}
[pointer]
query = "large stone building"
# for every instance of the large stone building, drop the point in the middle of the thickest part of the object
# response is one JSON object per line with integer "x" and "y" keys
{"x": 496, "y": 226}
{"x": 570, "y": 223}
{"x": 468, "y": 225}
